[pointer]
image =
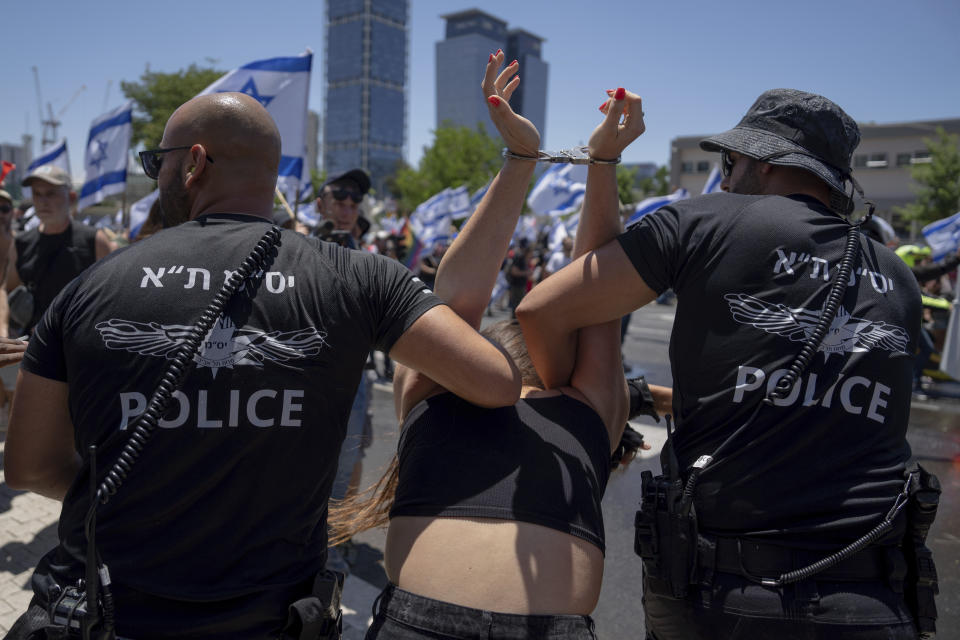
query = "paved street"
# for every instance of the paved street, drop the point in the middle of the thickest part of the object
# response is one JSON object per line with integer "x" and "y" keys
{"x": 28, "y": 522}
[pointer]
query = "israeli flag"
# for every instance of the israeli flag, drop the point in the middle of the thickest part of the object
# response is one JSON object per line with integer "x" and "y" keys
{"x": 527, "y": 228}
{"x": 713, "y": 181}
{"x": 431, "y": 220}
{"x": 556, "y": 235}
{"x": 307, "y": 214}
{"x": 140, "y": 211}
{"x": 943, "y": 236}
{"x": 282, "y": 86}
{"x": 55, "y": 154}
{"x": 459, "y": 203}
{"x": 559, "y": 191}
{"x": 108, "y": 147}
{"x": 652, "y": 204}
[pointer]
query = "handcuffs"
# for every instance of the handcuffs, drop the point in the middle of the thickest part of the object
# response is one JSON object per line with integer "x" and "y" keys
{"x": 576, "y": 155}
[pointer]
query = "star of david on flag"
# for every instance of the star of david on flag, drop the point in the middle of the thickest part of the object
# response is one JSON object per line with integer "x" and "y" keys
{"x": 282, "y": 86}
{"x": 108, "y": 148}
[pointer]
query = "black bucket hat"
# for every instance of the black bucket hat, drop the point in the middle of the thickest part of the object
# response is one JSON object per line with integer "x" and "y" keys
{"x": 797, "y": 129}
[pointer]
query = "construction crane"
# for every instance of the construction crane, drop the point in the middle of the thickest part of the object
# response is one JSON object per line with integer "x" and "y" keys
{"x": 51, "y": 123}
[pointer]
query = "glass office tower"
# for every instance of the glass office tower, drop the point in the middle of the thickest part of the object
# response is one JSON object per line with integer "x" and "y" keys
{"x": 365, "y": 83}
{"x": 470, "y": 37}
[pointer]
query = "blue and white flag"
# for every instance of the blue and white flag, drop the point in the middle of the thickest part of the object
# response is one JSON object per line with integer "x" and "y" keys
{"x": 712, "y": 184}
{"x": 307, "y": 214}
{"x": 943, "y": 236}
{"x": 559, "y": 191}
{"x": 527, "y": 228}
{"x": 55, "y": 154}
{"x": 140, "y": 211}
{"x": 431, "y": 220}
{"x": 652, "y": 204}
{"x": 108, "y": 148}
{"x": 556, "y": 235}
{"x": 282, "y": 85}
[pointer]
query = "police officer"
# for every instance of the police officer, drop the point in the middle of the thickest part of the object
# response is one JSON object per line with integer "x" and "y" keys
{"x": 220, "y": 524}
{"x": 819, "y": 465}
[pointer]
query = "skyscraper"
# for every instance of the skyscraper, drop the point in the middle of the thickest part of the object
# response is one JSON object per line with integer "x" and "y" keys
{"x": 471, "y": 36}
{"x": 365, "y": 85}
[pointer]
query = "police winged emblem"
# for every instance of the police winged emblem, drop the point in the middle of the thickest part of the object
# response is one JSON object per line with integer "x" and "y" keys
{"x": 846, "y": 333}
{"x": 225, "y": 345}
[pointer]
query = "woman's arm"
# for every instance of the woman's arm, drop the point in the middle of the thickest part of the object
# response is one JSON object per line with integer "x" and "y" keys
{"x": 469, "y": 268}
{"x": 589, "y": 359}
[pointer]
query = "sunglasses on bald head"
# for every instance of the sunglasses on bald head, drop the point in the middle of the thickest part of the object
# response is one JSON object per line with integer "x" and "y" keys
{"x": 152, "y": 160}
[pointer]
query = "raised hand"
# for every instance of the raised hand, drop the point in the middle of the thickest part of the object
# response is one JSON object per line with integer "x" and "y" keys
{"x": 612, "y": 136}
{"x": 521, "y": 137}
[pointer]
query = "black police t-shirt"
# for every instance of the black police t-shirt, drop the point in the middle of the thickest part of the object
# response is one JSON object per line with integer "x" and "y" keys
{"x": 228, "y": 501}
{"x": 752, "y": 274}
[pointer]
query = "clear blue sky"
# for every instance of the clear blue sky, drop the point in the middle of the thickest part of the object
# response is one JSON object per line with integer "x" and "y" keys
{"x": 698, "y": 65}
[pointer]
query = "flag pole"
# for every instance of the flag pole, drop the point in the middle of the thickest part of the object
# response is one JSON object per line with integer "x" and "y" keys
{"x": 286, "y": 206}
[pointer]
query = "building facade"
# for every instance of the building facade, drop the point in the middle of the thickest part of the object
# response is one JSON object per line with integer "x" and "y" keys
{"x": 881, "y": 163}
{"x": 471, "y": 36}
{"x": 365, "y": 81}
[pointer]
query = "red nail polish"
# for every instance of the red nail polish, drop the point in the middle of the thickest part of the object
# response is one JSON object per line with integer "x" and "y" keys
{"x": 512, "y": 63}
{"x": 494, "y": 100}
{"x": 603, "y": 106}
{"x": 499, "y": 51}
{"x": 621, "y": 94}
{"x": 491, "y": 58}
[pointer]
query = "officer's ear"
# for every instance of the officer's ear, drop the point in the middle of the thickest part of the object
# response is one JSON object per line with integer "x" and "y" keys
{"x": 195, "y": 165}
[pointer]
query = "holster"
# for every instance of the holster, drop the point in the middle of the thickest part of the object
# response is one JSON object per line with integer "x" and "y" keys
{"x": 666, "y": 528}
{"x": 318, "y": 616}
{"x": 920, "y": 585}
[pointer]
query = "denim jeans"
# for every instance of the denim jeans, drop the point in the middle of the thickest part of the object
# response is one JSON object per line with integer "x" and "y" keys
{"x": 735, "y": 608}
{"x": 401, "y": 615}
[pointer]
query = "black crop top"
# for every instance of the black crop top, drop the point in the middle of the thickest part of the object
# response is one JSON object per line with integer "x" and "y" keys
{"x": 543, "y": 460}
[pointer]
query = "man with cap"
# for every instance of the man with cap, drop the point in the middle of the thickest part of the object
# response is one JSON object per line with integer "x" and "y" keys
{"x": 47, "y": 257}
{"x": 794, "y": 475}
{"x": 339, "y": 205}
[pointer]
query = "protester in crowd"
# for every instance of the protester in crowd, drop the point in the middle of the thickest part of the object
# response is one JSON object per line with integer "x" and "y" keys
{"x": 47, "y": 257}
{"x": 495, "y": 524}
{"x": 339, "y": 205}
{"x": 559, "y": 259}
{"x": 430, "y": 263}
{"x": 519, "y": 271}
{"x": 219, "y": 528}
{"x": 821, "y": 463}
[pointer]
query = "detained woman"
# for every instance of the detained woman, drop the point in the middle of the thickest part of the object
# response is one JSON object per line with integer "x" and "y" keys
{"x": 495, "y": 526}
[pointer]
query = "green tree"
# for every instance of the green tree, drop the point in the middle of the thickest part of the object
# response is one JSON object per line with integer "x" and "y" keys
{"x": 938, "y": 181}
{"x": 626, "y": 176}
{"x": 658, "y": 184}
{"x": 458, "y": 156}
{"x": 158, "y": 94}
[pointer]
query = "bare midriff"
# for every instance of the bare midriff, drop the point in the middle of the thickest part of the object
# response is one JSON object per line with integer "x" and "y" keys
{"x": 496, "y": 565}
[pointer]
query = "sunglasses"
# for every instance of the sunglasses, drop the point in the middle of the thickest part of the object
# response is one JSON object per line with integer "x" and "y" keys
{"x": 726, "y": 163}
{"x": 342, "y": 194}
{"x": 5, "y": 208}
{"x": 152, "y": 160}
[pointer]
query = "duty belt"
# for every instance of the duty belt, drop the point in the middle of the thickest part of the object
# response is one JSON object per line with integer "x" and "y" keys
{"x": 750, "y": 558}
